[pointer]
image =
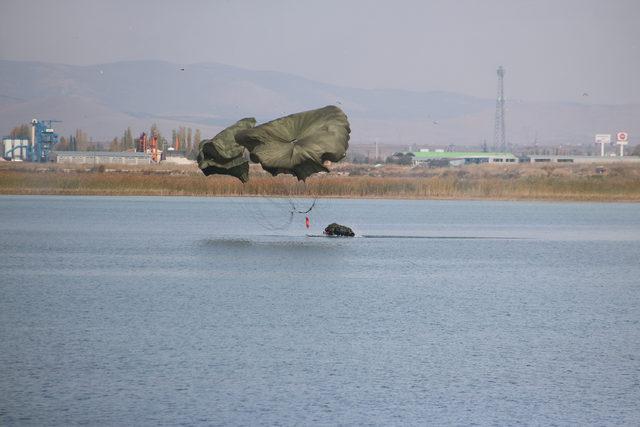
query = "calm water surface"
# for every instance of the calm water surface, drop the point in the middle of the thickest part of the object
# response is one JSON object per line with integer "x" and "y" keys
{"x": 134, "y": 311}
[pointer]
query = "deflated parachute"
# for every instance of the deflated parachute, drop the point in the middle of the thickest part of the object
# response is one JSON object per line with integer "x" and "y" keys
{"x": 300, "y": 143}
{"x": 222, "y": 155}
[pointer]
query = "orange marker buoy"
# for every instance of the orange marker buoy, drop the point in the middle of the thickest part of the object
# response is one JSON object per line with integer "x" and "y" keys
{"x": 307, "y": 223}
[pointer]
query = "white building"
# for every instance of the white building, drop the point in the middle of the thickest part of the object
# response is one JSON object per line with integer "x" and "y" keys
{"x": 103, "y": 157}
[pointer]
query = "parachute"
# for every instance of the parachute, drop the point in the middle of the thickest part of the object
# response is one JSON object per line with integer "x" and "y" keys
{"x": 300, "y": 143}
{"x": 222, "y": 155}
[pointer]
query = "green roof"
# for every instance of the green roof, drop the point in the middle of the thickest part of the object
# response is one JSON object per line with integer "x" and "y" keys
{"x": 459, "y": 155}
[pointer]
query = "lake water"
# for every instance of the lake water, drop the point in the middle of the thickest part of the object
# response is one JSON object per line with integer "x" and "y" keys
{"x": 214, "y": 311}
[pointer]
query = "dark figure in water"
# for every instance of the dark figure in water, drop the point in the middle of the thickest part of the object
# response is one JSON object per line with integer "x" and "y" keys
{"x": 338, "y": 230}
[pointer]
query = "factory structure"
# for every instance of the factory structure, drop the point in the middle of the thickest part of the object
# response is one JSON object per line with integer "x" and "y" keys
{"x": 146, "y": 153}
{"x": 36, "y": 149}
{"x": 15, "y": 149}
{"x": 103, "y": 157}
{"x": 426, "y": 157}
{"x": 39, "y": 148}
{"x": 457, "y": 158}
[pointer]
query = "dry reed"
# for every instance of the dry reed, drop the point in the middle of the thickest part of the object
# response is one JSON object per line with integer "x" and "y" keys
{"x": 515, "y": 183}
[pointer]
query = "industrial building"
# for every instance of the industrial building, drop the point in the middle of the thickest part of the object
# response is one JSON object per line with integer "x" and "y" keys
{"x": 15, "y": 149}
{"x": 37, "y": 148}
{"x": 455, "y": 158}
{"x": 579, "y": 159}
{"x": 103, "y": 157}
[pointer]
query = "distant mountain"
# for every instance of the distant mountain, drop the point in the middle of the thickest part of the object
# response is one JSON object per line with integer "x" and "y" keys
{"x": 104, "y": 99}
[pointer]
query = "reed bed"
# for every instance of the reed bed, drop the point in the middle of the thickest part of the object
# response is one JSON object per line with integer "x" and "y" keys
{"x": 508, "y": 184}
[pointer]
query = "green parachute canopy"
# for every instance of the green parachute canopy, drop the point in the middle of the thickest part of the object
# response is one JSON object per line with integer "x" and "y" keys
{"x": 300, "y": 143}
{"x": 222, "y": 155}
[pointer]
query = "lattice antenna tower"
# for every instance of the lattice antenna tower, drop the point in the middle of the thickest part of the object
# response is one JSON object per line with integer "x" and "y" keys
{"x": 499, "y": 136}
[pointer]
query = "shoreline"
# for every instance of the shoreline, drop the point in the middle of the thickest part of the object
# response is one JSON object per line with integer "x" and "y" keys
{"x": 164, "y": 193}
{"x": 249, "y": 196}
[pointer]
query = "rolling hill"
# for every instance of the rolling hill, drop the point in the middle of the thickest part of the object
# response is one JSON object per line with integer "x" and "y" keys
{"x": 104, "y": 99}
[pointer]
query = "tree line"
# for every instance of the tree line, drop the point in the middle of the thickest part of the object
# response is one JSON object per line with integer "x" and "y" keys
{"x": 183, "y": 140}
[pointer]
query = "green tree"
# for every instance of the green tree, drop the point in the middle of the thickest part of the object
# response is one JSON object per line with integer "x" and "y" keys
{"x": 400, "y": 158}
{"x": 127, "y": 142}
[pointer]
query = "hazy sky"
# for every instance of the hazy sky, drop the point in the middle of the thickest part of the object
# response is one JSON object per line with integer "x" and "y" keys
{"x": 551, "y": 49}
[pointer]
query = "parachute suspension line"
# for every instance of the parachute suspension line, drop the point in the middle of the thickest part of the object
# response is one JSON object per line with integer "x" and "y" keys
{"x": 267, "y": 214}
{"x": 294, "y": 208}
{"x": 277, "y": 213}
{"x": 297, "y": 205}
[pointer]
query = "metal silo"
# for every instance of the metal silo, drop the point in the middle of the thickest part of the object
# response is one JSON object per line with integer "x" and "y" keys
{"x": 7, "y": 145}
{"x": 15, "y": 153}
{"x": 12, "y": 153}
{"x": 16, "y": 149}
{"x": 21, "y": 153}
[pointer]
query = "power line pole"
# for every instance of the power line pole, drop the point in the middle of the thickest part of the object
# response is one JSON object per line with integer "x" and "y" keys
{"x": 499, "y": 137}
